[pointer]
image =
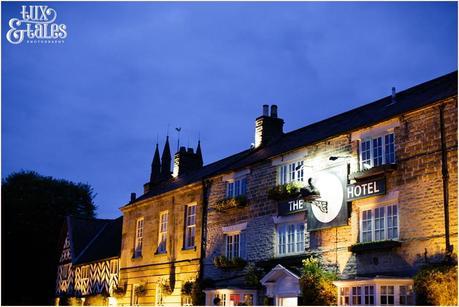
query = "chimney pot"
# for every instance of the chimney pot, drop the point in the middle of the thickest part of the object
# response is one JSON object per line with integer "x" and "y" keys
{"x": 133, "y": 197}
{"x": 190, "y": 150}
{"x": 265, "y": 110}
{"x": 274, "y": 111}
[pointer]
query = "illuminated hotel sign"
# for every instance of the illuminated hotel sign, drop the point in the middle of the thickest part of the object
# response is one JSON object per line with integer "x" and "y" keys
{"x": 365, "y": 189}
{"x": 329, "y": 209}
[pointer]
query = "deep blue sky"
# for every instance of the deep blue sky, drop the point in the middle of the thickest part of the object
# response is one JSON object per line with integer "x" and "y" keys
{"x": 90, "y": 110}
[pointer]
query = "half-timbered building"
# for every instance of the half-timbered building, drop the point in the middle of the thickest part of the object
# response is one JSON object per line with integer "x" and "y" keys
{"x": 88, "y": 269}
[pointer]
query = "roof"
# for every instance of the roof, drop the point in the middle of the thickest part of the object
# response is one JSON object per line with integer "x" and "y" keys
{"x": 189, "y": 178}
{"x": 380, "y": 110}
{"x": 94, "y": 239}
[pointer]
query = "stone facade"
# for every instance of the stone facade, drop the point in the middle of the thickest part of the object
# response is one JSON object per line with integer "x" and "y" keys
{"x": 415, "y": 185}
{"x": 152, "y": 269}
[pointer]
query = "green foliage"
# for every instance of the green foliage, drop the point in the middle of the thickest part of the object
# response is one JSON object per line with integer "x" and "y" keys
{"x": 141, "y": 290}
{"x": 316, "y": 284}
{"x": 224, "y": 263}
{"x": 253, "y": 276}
{"x": 119, "y": 291}
{"x": 228, "y": 203}
{"x": 285, "y": 191}
{"x": 436, "y": 285}
{"x": 187, "y": 287}
{"x": 198, "y": 297}
{"x": 33, "y": 211}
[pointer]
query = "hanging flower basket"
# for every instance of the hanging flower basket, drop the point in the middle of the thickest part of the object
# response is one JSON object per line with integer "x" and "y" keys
{"x": 224, "y": 263}
{"x": 229, "y": 203}
{"x": 141, "y": 290}
{"x": 187, "y": 287}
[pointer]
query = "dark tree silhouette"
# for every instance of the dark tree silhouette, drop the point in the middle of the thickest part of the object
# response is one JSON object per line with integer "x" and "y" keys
{"x": 33, "y": 212}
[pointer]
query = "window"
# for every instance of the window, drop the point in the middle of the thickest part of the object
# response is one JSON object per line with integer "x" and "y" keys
{"x": 377, "y": 151}
{"x": 290, "y": 238}
{"x": 84, "y": 272}
{"x": 344, "y": 296}
{"x": 356, "y": 296}
{"x": 114, "y": 267}
{"x": 232, "y": 246}
{"x": 387, "y": 295}
{"x": 162, "y": 239}
{"x": 369, "y": 292}
{"x": 138, "y": 238}
{"x": 234, "y": 299}
{"x": 236, "y": 188}
{"x": 380, "y": 223}
{"x": 406, "y": 295}
{"x": 292, "y": 172}
{"x": 190, "y": 225}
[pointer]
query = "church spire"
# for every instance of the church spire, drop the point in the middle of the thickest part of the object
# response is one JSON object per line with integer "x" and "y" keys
{"x": 166, "y": 161}
{"x": 199, "y": 154}
{"x": 155, "y": 175}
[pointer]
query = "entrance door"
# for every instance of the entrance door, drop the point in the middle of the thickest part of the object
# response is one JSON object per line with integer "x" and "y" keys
{"x": 287, "y": 301}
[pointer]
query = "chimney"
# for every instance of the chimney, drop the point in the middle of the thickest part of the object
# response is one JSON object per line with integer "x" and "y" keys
{"x": 186, "y": 160}
{"x": 133, "y": 197}
{"x": 394, "y": 93}
{"x": 268, "y": 128}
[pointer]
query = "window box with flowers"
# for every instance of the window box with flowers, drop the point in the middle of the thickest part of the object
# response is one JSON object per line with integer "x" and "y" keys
{"x": 224, "y": 263}
{"x": 229, "y": 203}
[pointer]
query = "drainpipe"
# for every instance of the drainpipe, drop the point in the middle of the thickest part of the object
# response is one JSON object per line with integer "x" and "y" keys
{"x": 205, "y": 205}
{"x": 445, "y": 176}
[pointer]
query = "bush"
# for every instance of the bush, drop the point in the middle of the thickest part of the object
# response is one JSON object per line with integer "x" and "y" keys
{"x": 436, "y": 285}
{"x": 316, "y": 284}
{"x": 253, "y": 276}
{"x": 187, "y": 287}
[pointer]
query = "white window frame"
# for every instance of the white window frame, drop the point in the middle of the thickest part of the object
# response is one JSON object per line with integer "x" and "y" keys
{"x": 236, "y": 187}
{"x": 190, "y": 226}
{"x": 230, "y": 245}
{"x": 292, "y": 171}
{"x": 377, "y": 291}
{"x": 373, "y": 209}
{"x": 371, "y": 139}
{"x": 162, "y": 232}
{"x": 296, "y": 243}
{"x": 138, "y": 244}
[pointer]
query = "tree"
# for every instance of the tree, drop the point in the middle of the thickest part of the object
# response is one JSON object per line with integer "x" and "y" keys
{"x": 33, "y": 212}
{"x": 316, "y": 284}
{"x": 436, "y": 284}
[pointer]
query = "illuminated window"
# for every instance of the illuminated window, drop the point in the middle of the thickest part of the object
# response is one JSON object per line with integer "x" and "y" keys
{"x": 387, "y": 295}
{"x": 232, "y": 246}
{"x": 344, "y": 296}
{"x": 84, "y": 273}
{"x": 377, "y": 151}
{"x": 162, "y": 240}
{"x": 292, "y": 172}
{"x": 236, "y": 188}
{"x": 406, "y": 295}
{"x": 290, "y": 239}
{"x": 379, "y": 224}
{"x": 190, "y": 226}
{"x": 114, "y": 266}
{"x": 234, "y": 299}
{"x": 138, "y": 238}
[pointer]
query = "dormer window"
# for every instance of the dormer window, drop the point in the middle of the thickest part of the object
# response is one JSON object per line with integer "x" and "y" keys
{"x": 291, "y": 172}
{"x": 376, "y": 151}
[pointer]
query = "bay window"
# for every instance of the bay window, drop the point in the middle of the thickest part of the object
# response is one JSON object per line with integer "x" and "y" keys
{"x": 375, "y": 292}
{"x": 376, "y": 151}
{"x": 380, "y": 223}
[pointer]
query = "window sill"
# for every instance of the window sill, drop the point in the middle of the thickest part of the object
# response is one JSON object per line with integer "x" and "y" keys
{"x": 373, "y": 172}
{"x": 136, "y": 257}
{"x": 160, "y": 253}
{"x": 374, "y": 246}
{"x": 191, "y": 249}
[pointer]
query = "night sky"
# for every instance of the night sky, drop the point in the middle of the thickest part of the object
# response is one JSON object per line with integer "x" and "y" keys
{"x": 90, "y": 110}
